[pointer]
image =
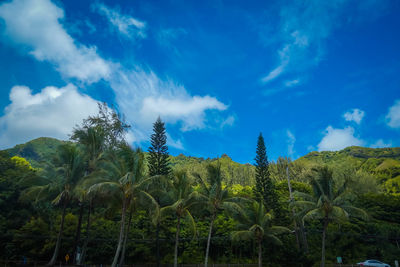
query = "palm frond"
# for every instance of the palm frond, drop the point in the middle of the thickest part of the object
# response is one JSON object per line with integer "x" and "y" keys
{"x": 105, "y": 188}
{"x": 278, "y": 230}
{"x": 192, "y": 223}
{"x": 273, "y": 239}
{"x": 242, "y": 235}
{"x": 356, "y": 212}
{"x": 313, "y": 214}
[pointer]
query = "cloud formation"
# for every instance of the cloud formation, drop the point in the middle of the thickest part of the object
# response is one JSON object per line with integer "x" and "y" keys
{"x": 292, "y": 83}
{"x": 355, "y": 115}
{"x": 393, "y": 116}
{"x": 303, "y": 29}
{"x": 291, "y": 139}
{"x": 127, "y": 26}
{"x": 140, "y": 94}
{"x": 337, "y": 139}
{"x": 143, "y": 96}
{"x": 52, "y": 112}
{"x": 35, "y": 25}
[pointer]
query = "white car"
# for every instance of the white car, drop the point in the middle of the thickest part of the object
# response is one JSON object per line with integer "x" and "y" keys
{"x": 373, "y": 263}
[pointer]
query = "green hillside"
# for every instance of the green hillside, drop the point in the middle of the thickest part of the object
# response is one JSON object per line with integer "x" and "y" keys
{"x": 383, "y": 163}
{"x": 233, "y": 172}
{"x": 40, "y": 150}
{"x": 368, "y": 159}
{"x": 37, "y": 150}
{"x": 374, "y": 180}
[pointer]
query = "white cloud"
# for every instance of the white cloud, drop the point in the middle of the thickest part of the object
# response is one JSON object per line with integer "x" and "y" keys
{"x": 393, "y": 116}
{"x": 291, "y": 139}
{"x": 186, "y": 108}
{"x": 380, "y": 144}
{"x": 142, "y": 96}
{"x": 337, "y": 139}
{"x": 355, "y": 115}
{"x": 126, "y": 25}
{"x": 53, "y": 112}
{"x": 35, "y": 24}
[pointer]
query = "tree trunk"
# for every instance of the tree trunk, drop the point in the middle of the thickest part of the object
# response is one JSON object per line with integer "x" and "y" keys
{"x": 303, "y": 235}
{"x": 82, "y": 258}
{"x": 323, "y": 242}
{"x": 122, "y": 259}
{"x": 296, "y": 229}
{"x": 178, "y": 225}
{"x": 259, "y": 254}
{"x": 121, "y": 233}
{"x": 58, "y": 243}
{"x": 78, "y": 233}
{"x": 209, "y": 240}
{"x": 158, "y": 243}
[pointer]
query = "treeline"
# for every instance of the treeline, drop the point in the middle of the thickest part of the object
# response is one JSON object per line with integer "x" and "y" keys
{"x": 101, "y": 201}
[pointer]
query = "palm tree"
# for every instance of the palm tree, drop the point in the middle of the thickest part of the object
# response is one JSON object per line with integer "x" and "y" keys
{"x": 182, "y": 199}
{"x": 254, "y": 223}
{"x": 92, "y": 139}
{"x": 59, "y": 181}
{"x": 327, "y": 203}
{"x": 216, "y": 198}
{"x": 158, "y": 188}
{"x": 122, "y": 178}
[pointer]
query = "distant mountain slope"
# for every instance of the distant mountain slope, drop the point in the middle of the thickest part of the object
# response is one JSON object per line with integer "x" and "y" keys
{"x": 37, "y": 150}
{"x": 384, "y": 163}
{"x": 233, "y": 172}
{"x": 370, "y": 159}
{"x": 42, "y": 149}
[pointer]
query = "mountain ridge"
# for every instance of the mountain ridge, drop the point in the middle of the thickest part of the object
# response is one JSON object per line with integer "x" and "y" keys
{"x": 383, "y": 163}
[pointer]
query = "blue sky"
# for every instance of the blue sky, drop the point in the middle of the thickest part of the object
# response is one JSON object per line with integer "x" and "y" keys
{"x": 310, "y": 75}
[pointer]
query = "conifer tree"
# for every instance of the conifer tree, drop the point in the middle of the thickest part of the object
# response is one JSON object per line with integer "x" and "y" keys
{"x": 158, "y": 151}
{"x": 264, "y": 189}
{"x": 158, "y": 164}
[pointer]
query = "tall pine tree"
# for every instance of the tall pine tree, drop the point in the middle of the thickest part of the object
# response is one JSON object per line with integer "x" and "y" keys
{"x": 264, "y": 189}
{"x": 158, "y": 165}
{"x": 158, "y": 151}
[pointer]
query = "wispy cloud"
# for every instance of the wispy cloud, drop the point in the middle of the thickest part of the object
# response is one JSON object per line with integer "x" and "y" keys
{"x": 140, "y": 93}
{"x": 126, "y": 25}
{"x": 275, "y": 72}
{"x": 291, "y": 140}
{"x": 292, "y": 83}
{"x": 178, "y": 144}
{"x": 229, "y": 121}
{"x": 166, "y": 36}
{"x": 35, "y": 25}
{"x": 393, "y": 115}
{"x": 304, "y": 27}
{"x": 355, "y": 115}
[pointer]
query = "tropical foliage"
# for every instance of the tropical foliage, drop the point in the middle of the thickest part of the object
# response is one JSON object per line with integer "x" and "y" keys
{"x": 94, "y": 199}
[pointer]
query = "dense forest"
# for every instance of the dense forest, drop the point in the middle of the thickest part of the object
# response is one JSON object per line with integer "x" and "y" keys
{"x": 99, "y": 200}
